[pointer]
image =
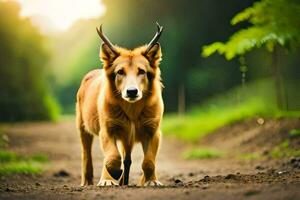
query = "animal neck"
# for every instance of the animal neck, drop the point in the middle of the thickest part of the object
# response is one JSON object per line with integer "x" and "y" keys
{"x": 117, "y": 105}
{"x": 132, "y": 110}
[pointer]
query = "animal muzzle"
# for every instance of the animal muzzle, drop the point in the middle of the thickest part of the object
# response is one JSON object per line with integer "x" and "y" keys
{"x": 132, "y": 92}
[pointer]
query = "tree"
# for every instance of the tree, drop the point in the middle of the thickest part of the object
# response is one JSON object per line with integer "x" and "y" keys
{"x": 273, "y": 24}
{"x": 24, "y": 91}
{"x": 187, "y": 77}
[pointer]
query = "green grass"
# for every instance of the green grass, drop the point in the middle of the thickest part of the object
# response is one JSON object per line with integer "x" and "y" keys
{"x": 12, "y": 163}
{"x": 202, "y": 154}
{"x": 283, "y": 150}
{"x": 6, "y": 156}
{"x": 194, "y": 126}
{"x": 39, "y": 158}
{"x": 20, "y": 167}
{"x": 250, "y": 156}
{"x": 294, "y": 132}
{"x": 255, "y": 99}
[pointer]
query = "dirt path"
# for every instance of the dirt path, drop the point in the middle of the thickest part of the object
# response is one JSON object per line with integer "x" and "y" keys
{"x": 224, "y": 178}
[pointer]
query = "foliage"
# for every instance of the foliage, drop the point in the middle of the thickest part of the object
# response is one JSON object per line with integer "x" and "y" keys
{"x": 6, "y": 156}
{"x": 194, "y": 126}
{"x": 283, "y": 150}
{"x": 236, "y": 105}
{"x": 252, "y": 100}
{"x": 294, "y": 132}
{"x": 273, "y": 22}
{"x": 20, "y": 168}
{"x": 24, "y": 90}
{"x": 75, "y": 52}
{"x": 11, "y": 163}
{"x": 201, "y": 153}
{"x": 250, "y": 156}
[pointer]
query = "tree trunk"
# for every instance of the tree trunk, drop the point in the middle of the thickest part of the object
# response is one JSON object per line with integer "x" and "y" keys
{"x": 181, "y": 100}
{"x": 277, "y": 79}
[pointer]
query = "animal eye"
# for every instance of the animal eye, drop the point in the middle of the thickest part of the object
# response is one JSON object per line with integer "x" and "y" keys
{"x": 121, "y": 72}
{"x": 141, "y": 72}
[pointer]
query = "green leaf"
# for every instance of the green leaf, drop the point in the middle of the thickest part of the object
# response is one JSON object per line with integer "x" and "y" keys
{"x": 242, "y": 16}
{"x": 274, "y": 22}
{"x": 210, "y": 49}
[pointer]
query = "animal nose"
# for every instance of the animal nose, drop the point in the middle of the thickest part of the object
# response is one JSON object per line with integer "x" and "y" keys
{"x": 132, "y": 92}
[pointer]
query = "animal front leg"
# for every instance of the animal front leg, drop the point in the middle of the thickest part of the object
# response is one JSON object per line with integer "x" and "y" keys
{"x": 126, "y": 152}
{"x": 111, "y": 172}
{"x": 150, "y": 148}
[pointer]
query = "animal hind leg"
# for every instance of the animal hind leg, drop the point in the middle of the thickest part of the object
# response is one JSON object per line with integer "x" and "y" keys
{"x": 87, "y": 163}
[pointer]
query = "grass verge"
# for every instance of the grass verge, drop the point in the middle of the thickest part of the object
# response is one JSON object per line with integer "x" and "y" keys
{"x": 255, "y": 99}
{"x": 202, "y": 154}
{"x": 12, "y": 163}
{"x": 283, "y": 150}
{"x": 250, "y": 156}
{"x": 21, "y": 167}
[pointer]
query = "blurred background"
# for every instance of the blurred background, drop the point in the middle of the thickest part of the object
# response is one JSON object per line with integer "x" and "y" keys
{"x": 231, "y": 75}
{"x": 46, "y": 47}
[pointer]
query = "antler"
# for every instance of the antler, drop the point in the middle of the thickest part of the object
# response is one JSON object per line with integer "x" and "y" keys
{"x": 155, "y": 38}
{"x": 106, "y": 40}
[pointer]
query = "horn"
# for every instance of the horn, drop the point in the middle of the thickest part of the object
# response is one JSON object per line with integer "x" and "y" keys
{"x": 155, "y": 38}
{"x": 106, "y": 40}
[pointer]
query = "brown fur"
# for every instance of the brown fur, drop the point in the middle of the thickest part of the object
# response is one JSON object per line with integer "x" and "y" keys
{"x": 101, "y": 110}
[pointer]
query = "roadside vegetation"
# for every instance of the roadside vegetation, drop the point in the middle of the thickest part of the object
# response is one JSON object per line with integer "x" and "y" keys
{"x": 243, "y": 102}
{"x": 12, "y": 163}
{"x": 288, "y": 147}
{"x": 202, "y": 153}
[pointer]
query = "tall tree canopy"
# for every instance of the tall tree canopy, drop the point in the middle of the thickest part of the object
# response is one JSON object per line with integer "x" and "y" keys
{"x": 273, "y": 22}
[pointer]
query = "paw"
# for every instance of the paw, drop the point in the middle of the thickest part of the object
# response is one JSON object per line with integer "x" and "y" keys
{"x": 86, "y": 183}
{"x": 103, "y": 183}
{"x": 154, "y": 183}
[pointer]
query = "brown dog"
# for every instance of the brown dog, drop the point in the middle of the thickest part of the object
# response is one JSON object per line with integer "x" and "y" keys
{"x": 122, "y": 102}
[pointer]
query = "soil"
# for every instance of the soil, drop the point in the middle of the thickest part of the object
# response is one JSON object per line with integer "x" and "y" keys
{"x": 227, "y": 177}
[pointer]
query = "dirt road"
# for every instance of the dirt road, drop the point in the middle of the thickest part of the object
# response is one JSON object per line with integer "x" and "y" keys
{"x": 222, "y": 178}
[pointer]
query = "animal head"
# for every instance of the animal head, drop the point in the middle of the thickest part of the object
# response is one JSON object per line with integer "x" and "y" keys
{"x": 131, "y": 72}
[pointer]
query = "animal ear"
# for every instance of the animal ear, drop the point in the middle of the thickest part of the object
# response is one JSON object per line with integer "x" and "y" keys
{"x": 106, "y": 54}
{"x": 154, "y": 54}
